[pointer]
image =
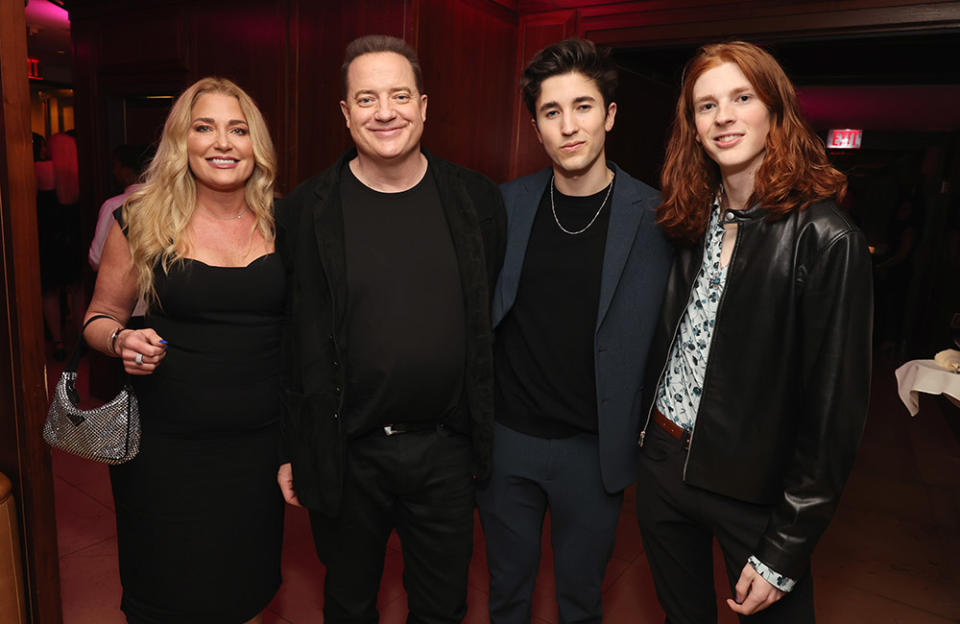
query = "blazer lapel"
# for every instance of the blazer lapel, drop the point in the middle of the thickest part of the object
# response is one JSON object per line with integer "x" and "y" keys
{"x": 627, "y": 212}
{"x": 331, "y": 244}
{"x": 521, "y": 205}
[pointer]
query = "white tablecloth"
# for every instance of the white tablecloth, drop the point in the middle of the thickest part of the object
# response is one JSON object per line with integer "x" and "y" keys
{"x": 925, "y": 376}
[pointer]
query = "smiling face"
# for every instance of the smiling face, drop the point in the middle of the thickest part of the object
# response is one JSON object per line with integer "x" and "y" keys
{"x": 572, "y": 123}
{"x": 384, "y": 110}
{"x": 219, "y": 147}
{"x": 732, "y": 122}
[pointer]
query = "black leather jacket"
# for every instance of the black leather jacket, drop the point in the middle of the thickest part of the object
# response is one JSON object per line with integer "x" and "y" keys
{"x": 787, "y": 380}
{"x": 310, "y": 238}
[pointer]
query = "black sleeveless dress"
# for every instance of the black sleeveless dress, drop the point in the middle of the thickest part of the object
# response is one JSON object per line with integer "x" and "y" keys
{"x": 199, "y": 512}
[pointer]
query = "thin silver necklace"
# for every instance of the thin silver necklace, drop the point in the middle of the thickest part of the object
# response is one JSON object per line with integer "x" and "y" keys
{"x": 239, "y": 214}
{"x": 553, "y": 209}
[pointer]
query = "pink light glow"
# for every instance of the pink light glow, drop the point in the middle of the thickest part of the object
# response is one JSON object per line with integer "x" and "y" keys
{"x": 930, "y": 108}
{"x": 46, "y": 14}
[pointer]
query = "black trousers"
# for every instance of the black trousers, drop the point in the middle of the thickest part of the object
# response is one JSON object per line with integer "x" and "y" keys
{"x": 531, "y": 474}
{"x": 679, "y": 522}
{"x": 421, "y": 484}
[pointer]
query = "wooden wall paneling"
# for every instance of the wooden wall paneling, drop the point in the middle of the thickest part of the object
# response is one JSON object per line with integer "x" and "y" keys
{"x": 508, "y": 4}
{"x": 322, "y": 31}
{"x": 536, "y": 32}
{"x": 411, "y": 22}
{"x": 23, "y": 455}
{"x": 246, "y": 41}
{"x": 111, "y": 64}
{"x": 289, "y": 176}
{"x": 88, "y": 120}
{"x": 527, "y": 7}
{"x": 152, "y": 37}
{"x": 467, "y": 50}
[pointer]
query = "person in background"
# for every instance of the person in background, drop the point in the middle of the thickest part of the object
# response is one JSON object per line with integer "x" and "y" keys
{"x": 199, "y": 514}
{"x": 58, "y": 225}
{"x": 759, "y": 374}
{"x": 574, "y": 311}
{"x": 129, "y": 163}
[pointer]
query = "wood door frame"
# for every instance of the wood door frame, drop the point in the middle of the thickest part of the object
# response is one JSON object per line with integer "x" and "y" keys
{"x": 24, "y": 457}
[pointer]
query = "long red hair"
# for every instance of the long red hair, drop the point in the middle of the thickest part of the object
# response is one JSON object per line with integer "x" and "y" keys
{"x": 794, "y": 173}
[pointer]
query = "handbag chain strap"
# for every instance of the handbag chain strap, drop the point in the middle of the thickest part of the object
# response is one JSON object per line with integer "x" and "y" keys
{"x": 74, "y": 361}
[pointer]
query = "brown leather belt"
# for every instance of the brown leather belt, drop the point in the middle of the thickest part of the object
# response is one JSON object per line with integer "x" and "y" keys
{"x": 672, "y": 428}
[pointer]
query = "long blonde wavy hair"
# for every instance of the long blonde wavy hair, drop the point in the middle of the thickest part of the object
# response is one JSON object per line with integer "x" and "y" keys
{"x": 157, "y": 215}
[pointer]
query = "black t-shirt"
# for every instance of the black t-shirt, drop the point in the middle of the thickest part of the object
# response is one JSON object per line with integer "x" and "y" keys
{"x": 546, "y": 385}
{"x": 405, "y": 325}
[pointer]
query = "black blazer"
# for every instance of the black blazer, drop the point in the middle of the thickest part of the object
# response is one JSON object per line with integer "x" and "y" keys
{"x": 310, "y": 238}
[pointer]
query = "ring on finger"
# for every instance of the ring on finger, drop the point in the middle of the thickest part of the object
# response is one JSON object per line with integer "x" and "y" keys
{"x": 139, "y": 359}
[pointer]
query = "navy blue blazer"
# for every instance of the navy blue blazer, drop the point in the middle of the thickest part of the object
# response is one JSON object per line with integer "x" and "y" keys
{"x": 636, "y": 260}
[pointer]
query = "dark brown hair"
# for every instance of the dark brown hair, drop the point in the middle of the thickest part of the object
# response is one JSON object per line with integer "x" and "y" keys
{"x": 795, "y": 171}
{"x": 369, "y": 44}
{"x": 569, "y": 55}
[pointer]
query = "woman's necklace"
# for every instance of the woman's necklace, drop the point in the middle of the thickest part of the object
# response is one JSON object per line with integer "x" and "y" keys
{"x": 243, "y": 210}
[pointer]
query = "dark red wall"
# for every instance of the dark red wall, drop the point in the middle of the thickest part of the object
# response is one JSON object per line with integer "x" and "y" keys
{"x": 319, "y": 32}
{"x": 468, "y": 53}
{"x": 287, "y": 54}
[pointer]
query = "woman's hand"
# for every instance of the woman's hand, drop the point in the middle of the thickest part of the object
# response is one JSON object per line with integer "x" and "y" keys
{"x": 141, "y": 350}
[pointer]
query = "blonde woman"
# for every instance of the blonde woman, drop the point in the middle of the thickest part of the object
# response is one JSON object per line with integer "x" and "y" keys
{"x": 199, "y": 516}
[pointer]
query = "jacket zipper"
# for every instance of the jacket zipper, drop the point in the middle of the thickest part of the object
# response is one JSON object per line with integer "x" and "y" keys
{"x": 676, "y": 328}
{"x": 706, "y": 370}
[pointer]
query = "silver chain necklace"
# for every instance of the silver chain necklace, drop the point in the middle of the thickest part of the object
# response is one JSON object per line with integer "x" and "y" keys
{"x": 553, "y": 209}
{"x": 239, "y": 214}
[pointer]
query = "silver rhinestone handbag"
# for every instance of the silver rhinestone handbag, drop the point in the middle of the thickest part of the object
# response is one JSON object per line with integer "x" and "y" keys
{"x": 109, "y": 434}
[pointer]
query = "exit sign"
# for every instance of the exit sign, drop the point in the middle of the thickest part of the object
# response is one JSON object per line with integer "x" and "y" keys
{"x": 33, "y": 69}
{"x": 844, "y": 139}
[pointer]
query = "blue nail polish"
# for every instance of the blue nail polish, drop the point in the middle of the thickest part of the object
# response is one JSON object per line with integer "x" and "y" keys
{"x": 163, "y": 342}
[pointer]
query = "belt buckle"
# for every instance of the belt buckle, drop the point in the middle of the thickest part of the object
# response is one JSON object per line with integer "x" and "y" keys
{"x": 390, "y": 431}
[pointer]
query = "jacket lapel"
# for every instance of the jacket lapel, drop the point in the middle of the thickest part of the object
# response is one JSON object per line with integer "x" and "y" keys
{"x": 329, "y": 231}
{"x": 627, "y": 212}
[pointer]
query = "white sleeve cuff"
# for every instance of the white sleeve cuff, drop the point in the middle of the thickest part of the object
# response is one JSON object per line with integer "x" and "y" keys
{"x": 779, "y": 581}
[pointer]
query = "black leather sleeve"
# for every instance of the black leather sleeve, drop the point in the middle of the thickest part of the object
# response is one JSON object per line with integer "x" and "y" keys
{"x": 835, "y": 321}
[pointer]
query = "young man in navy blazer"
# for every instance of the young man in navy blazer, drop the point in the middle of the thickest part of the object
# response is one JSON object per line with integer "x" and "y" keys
{"x": 574, "y": 310}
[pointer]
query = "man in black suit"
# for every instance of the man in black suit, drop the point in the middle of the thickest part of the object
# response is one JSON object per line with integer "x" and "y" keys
{"x": 393, "y": 254}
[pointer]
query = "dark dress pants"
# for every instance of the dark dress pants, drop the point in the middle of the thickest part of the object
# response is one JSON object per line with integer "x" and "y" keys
{"x": 530, "y": 474}
{"x": 421, "y": 484}
{"x": 679, "y": 522}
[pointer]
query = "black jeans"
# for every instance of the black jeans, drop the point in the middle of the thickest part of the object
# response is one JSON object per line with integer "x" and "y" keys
{"x": 421, "y": 484}
{"x": 679, "y": 522}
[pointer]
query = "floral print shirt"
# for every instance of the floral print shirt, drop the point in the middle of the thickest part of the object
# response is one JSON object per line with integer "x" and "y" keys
{"x": 678, "y": 397}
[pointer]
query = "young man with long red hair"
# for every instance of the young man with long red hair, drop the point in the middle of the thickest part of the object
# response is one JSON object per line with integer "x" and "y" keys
{"x": 758, "y": 381}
